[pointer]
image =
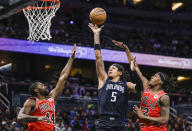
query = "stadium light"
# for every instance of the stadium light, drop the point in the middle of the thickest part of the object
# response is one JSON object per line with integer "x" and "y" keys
{"x": 71, "y": 22}
{"x": 176, "y": 5}
{"x": 47, "y": 66}
{"x": 136, "y": 1}
{"x": 2, "y": 62}
{"x": 182, "y": 78}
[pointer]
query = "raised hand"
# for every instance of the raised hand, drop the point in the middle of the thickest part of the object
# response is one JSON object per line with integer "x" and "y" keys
{"x": 120, "y": 44}
{"x": 95, "y": 28}
{"x": 133, "y": 64}
{"x": 74, "y": 50}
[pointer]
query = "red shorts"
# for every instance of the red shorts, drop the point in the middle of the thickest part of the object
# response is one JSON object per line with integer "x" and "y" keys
{"x": 40, "y": 127}
{"x": 153, "y": 128}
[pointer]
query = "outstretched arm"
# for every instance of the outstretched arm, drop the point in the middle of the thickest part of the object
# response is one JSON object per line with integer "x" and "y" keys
{"x": 124, "y": 47}
{"x": 24, "y": 116}
{"x": 55, "y": 93}
{"x": 100, "y": 68}
{"x": 134, "y": 66}
{"x": 163, "y": 119}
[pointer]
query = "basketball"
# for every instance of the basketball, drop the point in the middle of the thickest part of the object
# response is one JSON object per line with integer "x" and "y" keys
{"x": 98, "y": 16}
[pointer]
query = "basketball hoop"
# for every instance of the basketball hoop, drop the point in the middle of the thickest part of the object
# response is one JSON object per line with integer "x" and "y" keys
{"x": 39, "y": 18}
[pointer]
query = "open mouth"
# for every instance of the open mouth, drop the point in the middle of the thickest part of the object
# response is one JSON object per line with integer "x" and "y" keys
{"x": 110, "y": 73}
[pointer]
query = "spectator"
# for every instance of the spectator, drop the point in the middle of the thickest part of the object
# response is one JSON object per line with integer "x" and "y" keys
{"x": 59, "y": 124}
{"x": 73, "y": 112}
{"x": 67, "y": 128}
{"x": 179, "y": 124}
{"x": 74, "y": 121}
{"x": 75, "y": 94}
{"x": 13, "y": 127}
{"x": 5, "y": 126}
{"x": 184, "y": 124}
{"x": 87, "y": 95}
{"x": 76, "y": 126}
{"x": 93, "y": 128}
{"x": 66, "y": 118}
{"x": 95, "y": 95}
{"x": 82, "y": 116}
{"x": 80, "y": 110}
{"x": 180, "y": 100}
{"x": 67, "y": 93}
{"x": 85, "y": 126}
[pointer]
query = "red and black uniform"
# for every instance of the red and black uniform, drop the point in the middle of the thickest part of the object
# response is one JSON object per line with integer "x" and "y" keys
{"x": 45, "y": 107}
{"x": 150, "y": 107}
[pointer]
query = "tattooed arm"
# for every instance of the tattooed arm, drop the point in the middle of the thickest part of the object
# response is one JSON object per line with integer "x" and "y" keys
{"x": 141, "y": 81}
{"x": 124, "y": 47}
{"x": 100, "y": 68}
{"x": 163, "y": 119}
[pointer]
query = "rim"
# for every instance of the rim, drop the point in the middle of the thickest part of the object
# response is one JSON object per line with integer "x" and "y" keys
{"x": 43, "y": 8}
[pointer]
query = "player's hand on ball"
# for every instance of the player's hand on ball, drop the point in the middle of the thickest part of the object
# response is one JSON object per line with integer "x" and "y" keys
{"x": 138, "y": 112}
{"x": 120, "y": 44}
{"x": 95, "y": 28}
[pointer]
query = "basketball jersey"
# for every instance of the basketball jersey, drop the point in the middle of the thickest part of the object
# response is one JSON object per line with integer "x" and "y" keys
{"x": 45, "y": 107}
{"x": 150, "y": 107}
{"x": 113, "y": 99}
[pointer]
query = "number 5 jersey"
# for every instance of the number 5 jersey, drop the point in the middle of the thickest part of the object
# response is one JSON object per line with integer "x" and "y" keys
{"x": 113, "y": 99}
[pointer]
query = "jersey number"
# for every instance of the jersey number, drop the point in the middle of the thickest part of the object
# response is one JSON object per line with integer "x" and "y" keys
{"x": 52, "y": 117}
{"x": 146, "y": 110}
{"x": 114, "y": 97}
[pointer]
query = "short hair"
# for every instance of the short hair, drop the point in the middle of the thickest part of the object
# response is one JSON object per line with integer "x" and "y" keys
{"x": 32, "y": 88}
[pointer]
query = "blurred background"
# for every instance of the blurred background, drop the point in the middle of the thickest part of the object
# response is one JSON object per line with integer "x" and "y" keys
{"x": 157, "y": 31}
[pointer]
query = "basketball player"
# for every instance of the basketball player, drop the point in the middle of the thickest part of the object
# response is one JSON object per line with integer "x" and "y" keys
{"x": 112, "y": 90}
{"x": 154, "y": 107}
{"x": 39, "y": 110}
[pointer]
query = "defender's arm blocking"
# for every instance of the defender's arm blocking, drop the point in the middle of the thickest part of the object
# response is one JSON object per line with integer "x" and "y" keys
{"x": 55, "y": 93}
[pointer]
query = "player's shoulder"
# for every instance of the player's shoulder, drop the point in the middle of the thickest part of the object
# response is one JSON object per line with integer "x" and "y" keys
{"x": 49, "y": 98}
{"x": 30, "y": 102}
{"x": 148, "y": 88}
{"x": 164, "y": 97}
{"x": 164, "y": 100}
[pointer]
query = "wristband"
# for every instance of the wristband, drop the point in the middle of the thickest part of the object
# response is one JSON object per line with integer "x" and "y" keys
{"x": 97, "y": 47}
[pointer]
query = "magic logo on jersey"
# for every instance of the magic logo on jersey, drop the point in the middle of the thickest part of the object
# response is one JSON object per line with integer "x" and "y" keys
{"x": 115, "y": 87}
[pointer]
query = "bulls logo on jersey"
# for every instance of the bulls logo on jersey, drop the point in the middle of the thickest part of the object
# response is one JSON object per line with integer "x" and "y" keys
{"x": 150, "y": 106}
{"x": 50, "y": 99}
{"x": 155, "y": 96}
{"x": 45, "y": 107}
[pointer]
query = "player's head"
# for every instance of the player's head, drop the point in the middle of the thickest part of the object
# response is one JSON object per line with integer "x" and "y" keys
{"x": 38, "y": 88}
{"x": 162, "y": 80}
{"x": 117, "y": 70}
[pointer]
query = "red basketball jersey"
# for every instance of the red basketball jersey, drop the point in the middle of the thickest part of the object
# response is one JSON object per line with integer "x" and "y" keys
{"x": 150, "y": 107}
{"x": 45, "y": 107}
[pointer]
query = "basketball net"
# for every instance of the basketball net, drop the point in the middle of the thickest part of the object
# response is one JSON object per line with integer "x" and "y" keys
{"x": 39, "y": 17}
